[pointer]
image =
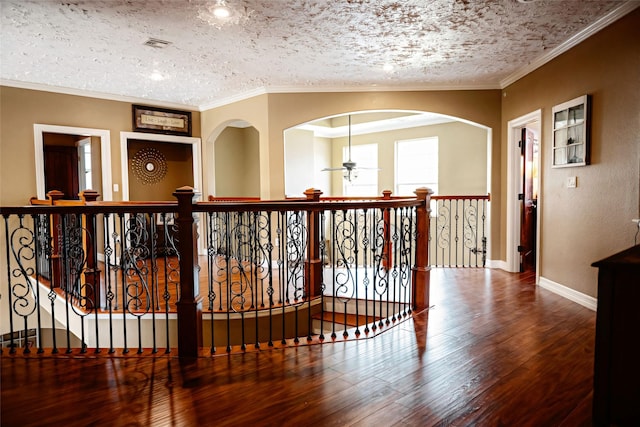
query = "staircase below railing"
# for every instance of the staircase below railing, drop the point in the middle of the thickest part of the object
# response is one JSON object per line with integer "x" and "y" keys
{"x": 213, "y": 274}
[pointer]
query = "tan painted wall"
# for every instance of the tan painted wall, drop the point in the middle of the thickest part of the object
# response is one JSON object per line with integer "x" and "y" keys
{"x": 237, "y": 163}
{"x": 20, "y": 109}
{"x": 592, "y": 221}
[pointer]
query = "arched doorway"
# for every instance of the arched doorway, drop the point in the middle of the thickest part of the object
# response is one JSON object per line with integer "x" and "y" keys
{"x": 236, "y": 161}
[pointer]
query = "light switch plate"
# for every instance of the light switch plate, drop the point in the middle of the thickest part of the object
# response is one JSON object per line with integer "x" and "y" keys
{"x": 572, "y": 182}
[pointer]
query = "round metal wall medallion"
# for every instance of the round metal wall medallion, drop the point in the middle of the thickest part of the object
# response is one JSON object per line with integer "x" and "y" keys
{"x": 149, "y": 166}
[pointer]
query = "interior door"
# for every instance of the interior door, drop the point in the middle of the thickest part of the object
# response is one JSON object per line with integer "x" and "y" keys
{"x": 61, "y": 170}
{"x": 528, "y": 198}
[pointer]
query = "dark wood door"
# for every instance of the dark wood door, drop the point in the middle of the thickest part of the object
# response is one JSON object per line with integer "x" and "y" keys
{"x": 527, "y": 247}
{"x": 61, "y": 170}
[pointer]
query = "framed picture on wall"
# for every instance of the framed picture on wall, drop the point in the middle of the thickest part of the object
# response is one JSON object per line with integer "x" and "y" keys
{"x": 571, "y": 133}
{"x": 161, "y": 120}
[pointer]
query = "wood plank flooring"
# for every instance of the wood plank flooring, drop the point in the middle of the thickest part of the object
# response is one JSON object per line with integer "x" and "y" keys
{"x": 494, "y": 350}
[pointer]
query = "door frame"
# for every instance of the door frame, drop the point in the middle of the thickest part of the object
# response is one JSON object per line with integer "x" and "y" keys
{"x": 196, "y": 147}
{"x": 105, "y": 154}
{"x": 514, "y": 184}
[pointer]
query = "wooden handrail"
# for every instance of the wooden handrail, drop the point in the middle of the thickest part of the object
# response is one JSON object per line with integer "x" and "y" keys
{"x": 232, "y": 199}
{"x": 480, "y": 197}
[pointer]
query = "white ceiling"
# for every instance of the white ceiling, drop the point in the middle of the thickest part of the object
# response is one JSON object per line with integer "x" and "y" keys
{"x": 96, "y": 47}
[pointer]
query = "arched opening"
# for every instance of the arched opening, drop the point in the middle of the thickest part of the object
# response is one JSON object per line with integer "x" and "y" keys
{"x": 236, "y": 161}
{"x": 364, "y": 153}
{"x": 388, "y": 148}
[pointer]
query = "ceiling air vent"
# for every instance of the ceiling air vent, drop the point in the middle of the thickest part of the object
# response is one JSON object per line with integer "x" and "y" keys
{"x": 157, "y": 43}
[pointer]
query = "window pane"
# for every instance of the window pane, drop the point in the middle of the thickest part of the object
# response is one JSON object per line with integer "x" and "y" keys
{"x": 416, "y": 165}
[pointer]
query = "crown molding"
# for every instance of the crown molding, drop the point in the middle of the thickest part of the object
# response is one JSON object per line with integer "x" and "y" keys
{"x": 97, "y": 95}
{"x": 340, "y": 89}
{"x": 378, "y": 88}
{"x": 573, "y": 41}
{"x": 231, "y": 99}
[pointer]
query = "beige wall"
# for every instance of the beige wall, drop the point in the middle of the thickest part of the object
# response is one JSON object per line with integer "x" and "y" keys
{"x": 582, "y": 225}
{"x": 300, "y": 162}
{"x": 237, "y": 163}
{"x": 20, "y": 109}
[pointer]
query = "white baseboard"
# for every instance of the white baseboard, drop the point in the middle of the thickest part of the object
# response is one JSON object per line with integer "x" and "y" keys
{"x": 496, "y": 263}
{"x": 570, "y": 294}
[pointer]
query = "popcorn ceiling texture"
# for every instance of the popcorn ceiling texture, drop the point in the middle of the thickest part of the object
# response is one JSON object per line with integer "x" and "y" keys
{"x": 97, "y": 45}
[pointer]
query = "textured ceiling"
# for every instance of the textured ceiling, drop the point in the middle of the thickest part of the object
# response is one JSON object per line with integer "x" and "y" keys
{"x": 293, "y": 45}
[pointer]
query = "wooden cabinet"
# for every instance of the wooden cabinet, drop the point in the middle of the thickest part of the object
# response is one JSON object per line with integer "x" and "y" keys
{"x": 616, "y": 392}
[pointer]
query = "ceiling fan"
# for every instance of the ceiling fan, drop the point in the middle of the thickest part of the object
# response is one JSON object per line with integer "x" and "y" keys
{"x": 349, "y": 168}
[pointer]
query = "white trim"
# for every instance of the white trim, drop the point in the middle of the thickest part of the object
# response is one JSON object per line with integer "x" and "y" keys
{"x": 513, "y": 177}
{"x": 196, "y": 146}
{"x": 496, "y": 263}
{"x": 105, "y": 154}
{"x": 97, "y": 95}
{"x": 489, "y": 212}
{"x": 571, "y": 294}
{"x": 573, "y": 41}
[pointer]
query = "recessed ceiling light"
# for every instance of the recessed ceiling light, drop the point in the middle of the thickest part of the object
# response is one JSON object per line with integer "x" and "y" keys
{"x": 388, "y": 68}
{"x": 221, "y": 10}
{"x": 156, "y": 76}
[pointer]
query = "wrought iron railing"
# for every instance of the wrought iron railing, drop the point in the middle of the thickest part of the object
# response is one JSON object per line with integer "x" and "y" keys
{"x": 156, "y": 276}
{"x": 457, "y": 237}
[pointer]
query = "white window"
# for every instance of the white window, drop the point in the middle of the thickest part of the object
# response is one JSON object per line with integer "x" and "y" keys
{"x": 84, "y": 159}
{"x": 416, "y": 165}
{"x": 365, "y": 181}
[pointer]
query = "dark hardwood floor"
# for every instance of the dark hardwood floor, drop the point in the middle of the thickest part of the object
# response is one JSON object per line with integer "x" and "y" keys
{"x": 494, "y": 350}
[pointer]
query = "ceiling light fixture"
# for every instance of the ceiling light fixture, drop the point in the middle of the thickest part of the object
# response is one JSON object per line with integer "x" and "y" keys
{"x": 221, "y": 10}
{"x": 349, "y": 169}
{"x": 156, "y": 76}
{"x": 219, "y": 13}
{"x": 388, "y": 68}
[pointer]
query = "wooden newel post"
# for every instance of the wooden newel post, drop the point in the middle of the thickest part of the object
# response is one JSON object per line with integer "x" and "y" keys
{"x": 422, "y": 270}
{"x": 190, "y": 304}
{"x": 313, "y": 263}
{"x": 91, "y": 273}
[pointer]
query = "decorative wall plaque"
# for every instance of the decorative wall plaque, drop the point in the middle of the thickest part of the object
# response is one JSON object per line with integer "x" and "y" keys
{"x": 149, "y": 166}
{"x": 161, "y": 120}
